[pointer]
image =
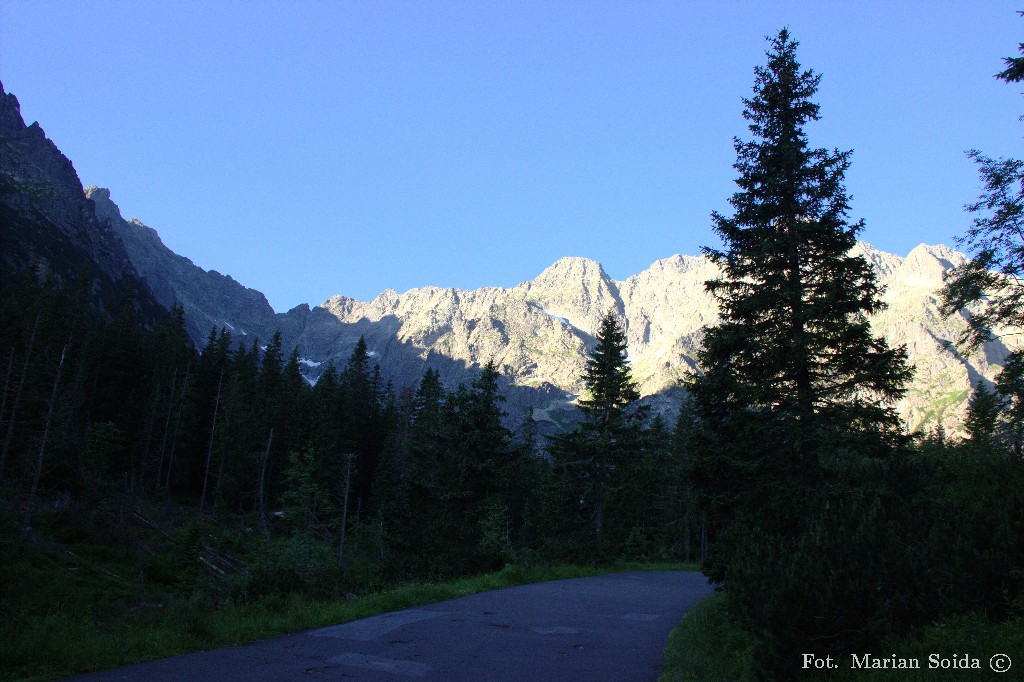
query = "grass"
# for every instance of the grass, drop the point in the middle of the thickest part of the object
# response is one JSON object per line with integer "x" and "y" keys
{"x": 708, "y": 645}
{"x": 74, "y": 636}
{"x": 969, "y": 634}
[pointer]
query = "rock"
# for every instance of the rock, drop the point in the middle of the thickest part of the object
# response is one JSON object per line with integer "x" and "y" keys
{"x": 47, "y": 221}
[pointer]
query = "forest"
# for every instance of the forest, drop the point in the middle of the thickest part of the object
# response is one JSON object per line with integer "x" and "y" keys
{"x": 218, "y": 476}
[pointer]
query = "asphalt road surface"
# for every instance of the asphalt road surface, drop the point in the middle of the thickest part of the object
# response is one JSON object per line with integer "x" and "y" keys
{"x": 610, "y": 627}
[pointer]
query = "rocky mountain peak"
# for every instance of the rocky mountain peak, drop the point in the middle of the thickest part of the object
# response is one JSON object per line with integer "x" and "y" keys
{"x": 46, "y": 219}
{"x": 925, "y": 266}
{"x": 10, "y": 113}
{"x": 573, "y": 266}
{"x": 885, "y": 264}
{"x": 105, "y": 208}
{"x": 577, "y": 290}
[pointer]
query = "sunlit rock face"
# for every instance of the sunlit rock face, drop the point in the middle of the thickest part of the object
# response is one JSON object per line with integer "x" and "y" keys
{"x": 539, "y": 332}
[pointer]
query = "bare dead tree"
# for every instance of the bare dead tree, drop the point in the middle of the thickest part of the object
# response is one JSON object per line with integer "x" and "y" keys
{"x": 37, "y": 474}
{"x": 12, "y": 420}
{"x": 177, "y": 426}
{"x": 209, "y": 452}
{"x": 344, "y": 509}
{"x": 262, "y": 495}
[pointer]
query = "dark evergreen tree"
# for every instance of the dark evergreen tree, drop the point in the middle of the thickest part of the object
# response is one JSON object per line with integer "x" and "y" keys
{"x": 597, "y": 455}
{"x": 794, "y": 385}
{"x": 688, "y": 528}
{"x": 271, "y": 368}
{"x": 991, "y": 284}
{"x": 487, "y": 443}
{"x": 494, "y": 469}
{"x": 360, "y": 414}
{"x": 982, "y": 422}
{"x": 439, "y": 538}
{"x": 794, "y": 342}
{"x": 1010, "y": 388}
{"x": 610, "y": 386}
{"x": 174, "y": 357}
{"x": 238, "y": 436}
{"x": 290, "y": 407}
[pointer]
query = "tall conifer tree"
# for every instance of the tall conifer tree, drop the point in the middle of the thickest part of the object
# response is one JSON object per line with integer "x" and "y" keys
{"x": 796, "y": 392}
{"x": 610, "y": 385}
{"x": 794, "y": 352}
{"x": 597, "y": 454}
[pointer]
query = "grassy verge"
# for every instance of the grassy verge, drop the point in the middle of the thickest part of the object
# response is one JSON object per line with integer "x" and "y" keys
{"x": 708, "y": 645}
{"x": 69, "y": 639}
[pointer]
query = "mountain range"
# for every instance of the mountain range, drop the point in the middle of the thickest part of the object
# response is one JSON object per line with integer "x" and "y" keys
{"x": 538, "y": 333}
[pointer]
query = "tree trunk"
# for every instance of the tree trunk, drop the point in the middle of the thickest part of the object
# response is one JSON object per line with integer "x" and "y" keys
{"x": 7, "y": 386}
{"x": 344, "y": 511}
{"x": 37, "y": 474}
{"x": 167, "y": 429}
{"x": 262, "y": 495}
{"x": 177, "y": 428}
{"x": 209, "y": 451}
{"x": 9, "y": 436}
{"x": 149, "y": 439}
{"x": 703, "y": 536}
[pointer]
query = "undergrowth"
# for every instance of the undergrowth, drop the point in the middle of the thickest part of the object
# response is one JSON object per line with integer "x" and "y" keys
{"x": 73, "y": 604}
{"x": 709, "y": 645}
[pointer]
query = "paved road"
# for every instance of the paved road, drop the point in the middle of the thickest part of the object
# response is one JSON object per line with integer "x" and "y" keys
{"x": 610, "y": 627}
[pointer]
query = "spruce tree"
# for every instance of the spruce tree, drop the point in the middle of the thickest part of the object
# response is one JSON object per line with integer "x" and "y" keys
{"x": 610, "y": 386}
{"x": 595, "y": 456}
{"x": 360, "y": 414}
{"x": 982, "y": 421}
{"x": 486, "y": 442}
{"x": 794, "y": 350}
{"x": 796, "y": 391}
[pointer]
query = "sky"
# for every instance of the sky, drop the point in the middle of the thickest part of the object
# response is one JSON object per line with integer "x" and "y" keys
{"x": 317, "y": 148}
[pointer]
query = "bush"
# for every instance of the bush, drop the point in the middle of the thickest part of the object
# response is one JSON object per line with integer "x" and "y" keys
{"x": 882, "y": 546}
{"x": 296, "y": 564}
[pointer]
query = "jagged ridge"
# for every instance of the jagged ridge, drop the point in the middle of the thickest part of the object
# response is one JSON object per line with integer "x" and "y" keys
{"x": 539, "y": 331}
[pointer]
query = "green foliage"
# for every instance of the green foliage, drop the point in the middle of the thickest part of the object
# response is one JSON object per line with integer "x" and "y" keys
{"x": 983, "y": 410}
{"x": 297, "y": 564}
{"x": 106, "y": 446}
{"x": 709, "y": 645}
{"x": 308, "y": 503}
{"x": 495, "y": 546}
{"x": 65, "y": 615}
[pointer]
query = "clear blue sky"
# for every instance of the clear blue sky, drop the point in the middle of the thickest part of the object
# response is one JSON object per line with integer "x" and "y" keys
{"x": 319, "y": 148}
